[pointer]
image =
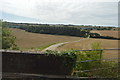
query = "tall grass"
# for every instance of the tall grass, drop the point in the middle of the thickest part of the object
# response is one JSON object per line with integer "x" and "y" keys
{"x": 107, "y": 69}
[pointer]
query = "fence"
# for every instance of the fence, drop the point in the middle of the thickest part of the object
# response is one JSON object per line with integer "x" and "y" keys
{"x": 23, "y": 76}
{"x": 98, "y": 60}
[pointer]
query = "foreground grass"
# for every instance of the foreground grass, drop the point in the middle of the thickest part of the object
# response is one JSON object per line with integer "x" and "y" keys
{"x": 99, "y": 69}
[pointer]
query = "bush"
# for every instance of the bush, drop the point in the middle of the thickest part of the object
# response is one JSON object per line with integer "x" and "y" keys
{"x": 106, "y": 69}
{"x": 67, "y": 57}
{"x": 8, "y": 40}
{"x": 81, "y": 66}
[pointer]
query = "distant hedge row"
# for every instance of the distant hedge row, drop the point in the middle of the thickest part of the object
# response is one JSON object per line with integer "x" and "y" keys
{"x": 47, "y": 29}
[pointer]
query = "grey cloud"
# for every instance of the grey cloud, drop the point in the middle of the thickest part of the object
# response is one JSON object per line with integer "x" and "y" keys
{"x": 65, "y": 11}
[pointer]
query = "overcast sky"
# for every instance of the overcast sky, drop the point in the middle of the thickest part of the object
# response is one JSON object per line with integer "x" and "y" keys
{"x": 88, "y": 12}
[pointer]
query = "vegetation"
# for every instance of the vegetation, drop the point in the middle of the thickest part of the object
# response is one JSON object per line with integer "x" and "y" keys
{"x": 8, "y": 40}
{"x": 67, "y": 57}
{"x": 100, "y": 69}
{"x": 86, "y": 44}
{"x": 0, "y": 34}
{"x": 106, "y": 69}
{"x": 61, "y": 29}
{"x": 81, "y": 61}
{"x": 26, "y": 40}
{"x": 42, "y": 47}
{"x": 97, "y": 68}
{"x": 95, "y": 35}
{"x": 83, "y": 27}
{"x": 47, "y": 29}
{"x": 107, "y": 33}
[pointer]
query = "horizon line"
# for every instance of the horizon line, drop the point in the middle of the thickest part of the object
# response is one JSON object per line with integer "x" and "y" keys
{"x": 60, "y": 23}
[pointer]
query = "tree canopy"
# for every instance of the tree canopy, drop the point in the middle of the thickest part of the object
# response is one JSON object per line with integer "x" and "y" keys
{"x": 8, "y": 40}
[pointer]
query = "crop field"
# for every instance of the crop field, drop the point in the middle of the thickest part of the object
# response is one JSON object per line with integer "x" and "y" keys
{"x": 115, "y": 34}
{"x": 28, "y": 40}
{"x": 86, "y": 44}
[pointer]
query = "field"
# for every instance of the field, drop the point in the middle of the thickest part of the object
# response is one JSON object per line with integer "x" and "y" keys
{"x": 115, "y": 34}
{"x": 86, "y": 44}
{"x": 26, "y": 40}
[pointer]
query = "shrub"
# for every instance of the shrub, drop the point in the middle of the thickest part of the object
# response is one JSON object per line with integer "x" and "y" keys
{"x": 106, "y": 69}
{"x": 81, "y": 66}
{"x": 8, "y": 40}
{"x": 67, "y": 57}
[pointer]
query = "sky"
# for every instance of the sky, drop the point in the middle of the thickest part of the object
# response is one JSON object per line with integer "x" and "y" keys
{"x": 79, "y": 12}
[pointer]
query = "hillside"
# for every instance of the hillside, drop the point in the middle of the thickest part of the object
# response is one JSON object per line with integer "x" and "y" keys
{"x": 115, "y": 34}
{"x": 86, "y": 44}
{"x": 30, "y": 40}
{"x": 26, "y": 40}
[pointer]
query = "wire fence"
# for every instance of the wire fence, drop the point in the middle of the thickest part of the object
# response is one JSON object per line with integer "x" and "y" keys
{"x": 96, "y": 69}
{"x": 100, "y": 60}
{"x": 65, "y": 77}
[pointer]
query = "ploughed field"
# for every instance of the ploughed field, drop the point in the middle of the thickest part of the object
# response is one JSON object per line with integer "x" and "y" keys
{"x": 30, "y": 40}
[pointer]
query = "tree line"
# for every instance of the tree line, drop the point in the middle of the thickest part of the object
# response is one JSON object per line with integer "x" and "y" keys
{"x": 47, "y": 29}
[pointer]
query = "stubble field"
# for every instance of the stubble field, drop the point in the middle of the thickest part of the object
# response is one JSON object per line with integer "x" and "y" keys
{"x": 115, "y": 34}
{"x": 30, "y": 40}
{"x": 27, "y": 40}
{"x": 104, "y": 43}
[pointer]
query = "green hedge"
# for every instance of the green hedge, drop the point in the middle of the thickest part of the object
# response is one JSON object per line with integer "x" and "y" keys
{"x": 67, "y": 57}
{"x": 110, "y": 67}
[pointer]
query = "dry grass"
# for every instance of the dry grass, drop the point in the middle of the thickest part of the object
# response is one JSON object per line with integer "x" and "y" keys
{"x": 115, "y": 34}
{"x": 86, "y": 44}
{"x": 29, "y": 40}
